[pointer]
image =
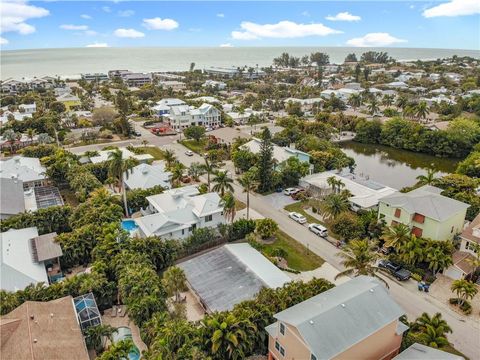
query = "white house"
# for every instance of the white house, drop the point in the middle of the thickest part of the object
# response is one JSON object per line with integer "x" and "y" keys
{"x": 176, "y": 213}
{"x": 219, "y": 85}
{"x": 164, "y": 106}
{"x": 126, "y": 154}
{"x": 146, "y": 176}
{"x": 24, "y": 256}
{"x": 183, "y": 116}
{"x": 172, "y": 84}
{"x": 27, "y": 169}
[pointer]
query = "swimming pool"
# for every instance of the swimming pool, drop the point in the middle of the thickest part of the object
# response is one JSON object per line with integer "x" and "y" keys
{"x": 129, "y": 225}
{"x": 123, "y": 333}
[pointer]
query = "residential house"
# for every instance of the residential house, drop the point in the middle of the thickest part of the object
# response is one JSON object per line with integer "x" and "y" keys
{"x": 26, "y": 169}
{"x": 27, "y": 258}
{"x": 397, "y": 85}
{"x": 421, "y": 352}
{"x": 305, "y": 104}
{"x": 230, "y": 274}
{"x": 146, "y": 176}
{"x": 428, "y": 213}
{"x": 463, "y": 258}
{"x": 70, "y": 101}
{"x": 355, "y": 320}
{"x": 218, "y": 85}
{"x": 126, "y": 154}
{"x": 136, "y": 79}
{"x": 96, "y": 77}
{"x": 176, "y": 213}
{"x": 15, "y": 115}
{"x": 366, "y": 193}
{"x": 164, "y": 106}
{"x": 172, "y": 84}
{"x": 11, "y": 197}
{"x": 233, "y": 71}
{"x": 43, "y": 330}
{"x": 12, "y": 86}
{"x": 181, "y": 117}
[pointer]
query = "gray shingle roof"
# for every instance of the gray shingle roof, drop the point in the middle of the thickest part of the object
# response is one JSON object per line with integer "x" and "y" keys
{"x": 426, "y": 200}
{"x": 335, "y": 320}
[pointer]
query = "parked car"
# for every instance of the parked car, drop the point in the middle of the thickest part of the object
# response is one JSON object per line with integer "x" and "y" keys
{"x": 387, "y": 250}
{"x": 290, "y": 191}
{"x": 318, "y": 229}
{"x": 297, "y": 217}
{"x": 395, "y": 269}
{"x": 301, "y": 194}
{"x": 189, "y": 153}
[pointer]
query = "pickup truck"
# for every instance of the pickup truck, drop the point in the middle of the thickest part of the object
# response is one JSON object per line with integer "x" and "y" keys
{"x": 396, "y": 270}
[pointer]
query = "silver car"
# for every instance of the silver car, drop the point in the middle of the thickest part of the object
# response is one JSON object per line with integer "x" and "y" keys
{"x": 318, "y": 229}
{"x": 297, "y": 217}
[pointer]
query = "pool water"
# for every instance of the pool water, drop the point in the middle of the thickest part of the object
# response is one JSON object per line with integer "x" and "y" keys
{"x": 129, "y": 225}
{"x": 123, "y": 333}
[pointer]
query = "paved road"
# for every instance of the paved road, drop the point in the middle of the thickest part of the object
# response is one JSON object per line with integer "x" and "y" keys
{"x": 466, "y": 332}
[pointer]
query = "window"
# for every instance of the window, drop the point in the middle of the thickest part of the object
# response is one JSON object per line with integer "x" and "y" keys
{"x": 282, "y": 329}
{"x": 183, "y": 231}
{"x": 417, "y": 231}
{"x": 277, "y": 346}
{"x": 282, "y": 351}
{"x": 398, "y": 213}
{"x": 193, "y": 227}
{"x": 313, "y": 357}
{"x": 394, "y": 223}
{"x": 419, "y": 218}
{"x": 208, "y": 218}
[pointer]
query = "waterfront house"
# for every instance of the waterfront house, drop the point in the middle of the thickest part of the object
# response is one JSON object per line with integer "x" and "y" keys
{"x": 43, "y": 330}
{"x": 136, "y": 79}
{"x": 176, "y": 213}
{"x": 27, "y": 258}
{"x": 96, "y": 77}
{"x": 355, "y": 320}
{"x": 26, "y": 169}
{"x": 428, "y": 213}
{"x": 70, "y": 101}
{"x": 146, "y": 176}
{"x": 218, "y": 85}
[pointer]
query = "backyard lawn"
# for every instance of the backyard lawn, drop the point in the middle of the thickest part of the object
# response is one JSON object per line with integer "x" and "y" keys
{"x": 152, "y": 150}
{"x": 299, "y": 208}
{"x": 198, "y": 147}
{"x": 298, "y": 256}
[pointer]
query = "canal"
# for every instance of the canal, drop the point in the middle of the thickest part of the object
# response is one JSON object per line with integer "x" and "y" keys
{"x": 394, "y": 167}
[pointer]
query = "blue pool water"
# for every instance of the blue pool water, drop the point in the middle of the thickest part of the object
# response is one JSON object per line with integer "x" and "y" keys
{"x": 129, "y": 225}
{"x": 123, "y": 333}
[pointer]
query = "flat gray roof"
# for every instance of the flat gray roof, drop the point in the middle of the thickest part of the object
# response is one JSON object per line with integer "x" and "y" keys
{"x": 422, "y": 352}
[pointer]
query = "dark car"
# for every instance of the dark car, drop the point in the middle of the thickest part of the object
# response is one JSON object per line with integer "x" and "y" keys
{"x": 395, "y": 269}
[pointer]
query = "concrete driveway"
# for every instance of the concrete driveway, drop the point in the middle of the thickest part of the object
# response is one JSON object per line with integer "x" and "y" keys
{"x": 279, "y": 200}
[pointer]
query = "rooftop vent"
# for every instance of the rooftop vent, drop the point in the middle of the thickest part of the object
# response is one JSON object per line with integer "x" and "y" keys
{"x": 343, "y": 305}
{"x": 311, "y": 322}
{"x": 371, "y": 290}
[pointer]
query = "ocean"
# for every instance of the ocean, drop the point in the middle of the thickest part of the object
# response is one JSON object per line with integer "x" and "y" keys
{"x": 72, "y": 62}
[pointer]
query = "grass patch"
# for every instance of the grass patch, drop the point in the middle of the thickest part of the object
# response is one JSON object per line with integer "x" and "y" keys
{"x": 69, "y": 197}
{"x": 152, "y": 150}
{"x": 299, "y": 207}
{"x": 239, "y": 205}
{"x": 198, "y": 147}
{"x": 298, "y": 256}
{"x": 450, "y": 349}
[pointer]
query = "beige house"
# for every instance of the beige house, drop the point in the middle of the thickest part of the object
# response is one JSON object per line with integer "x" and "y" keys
{"x": 428, "y": 213}
{"x": 355, "y": 320}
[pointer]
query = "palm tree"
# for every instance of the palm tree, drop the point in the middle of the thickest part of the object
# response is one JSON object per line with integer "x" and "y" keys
{"x": 438, "y": 259}
{"x": 412, "y": 250}
{"x": 95, "y": 336}
{"x": 387, "y": 100}
{"x": 464, "y": 289}
{"x": 209, "y": 167}
{"x": 249, "y": 183}
{"x": 355, "y": 101}
{"x": 31, "y": 133}
{"x": 169, "y": 157}
{"x": 229, "y": 210}
{"x": 431, "y": 331}
{"x": 373, "y": 106}
{"x": 333, "y": 205}
{"x": 195, "y": 171}
{"x": 119, "y": 168}
{"x": 174, "y": 281}
{"x": 396, "y": 235}
{"x": 431, "y": 337}
{"x": 177, "y": 173}
{"x": 402, "y": 102}
{"x": 428, "y": 178}
{"x": 222, "y": 183}
{"x": 422, "y": 110}
{"x": 359, "y": 258}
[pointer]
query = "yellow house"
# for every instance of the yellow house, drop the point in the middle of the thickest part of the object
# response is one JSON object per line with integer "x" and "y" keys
{"x": 425, "y": 211}
{"x": 70, "y": 101}
{"x": 355, "y": 320}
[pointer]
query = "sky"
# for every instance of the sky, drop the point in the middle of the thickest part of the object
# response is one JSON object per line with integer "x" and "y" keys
{"x": 450, "y": 24}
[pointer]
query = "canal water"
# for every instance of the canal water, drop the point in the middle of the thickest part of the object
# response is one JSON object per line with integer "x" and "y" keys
{"x": 394, "y": 167}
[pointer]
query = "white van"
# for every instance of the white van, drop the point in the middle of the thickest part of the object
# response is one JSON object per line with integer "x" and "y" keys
{"x": 318, "y": 229}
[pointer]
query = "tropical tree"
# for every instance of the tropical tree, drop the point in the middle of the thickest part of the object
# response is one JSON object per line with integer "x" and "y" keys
{"x": 401, "y": 102}
{"x": 169, "y": 157}
{"x": 229, "y": 206}
{"x": 412, "y": 251}
{"x": 373, "y": 107}
{"x": 431, "y": 331}
{"x": 177, "y": 171}
{"x": 266, "y": 228}
{"x": 119, "y": 350}
{"x": 359, "y": 258}
{"x": 335, "y": 184}
{"x": 249, "y": 184}
{"x": 195, "y": 171}
{"x": 209, "y": 167}
{"x": 31, "y": 133}
{"x": 438, "y": 257}
{"x": 222, "y": 183}
{"x": 119, "y": 169}
{"x": 428, "y": 178}
{"x": 333, "y": 205}
{"x": 387, "y": 100}
{"x": 95, "y": 336}
{"x": 396, "y": 235}
{"x": 355, "y": 101}
{"x": 464, "y": 289}
{"x": 265, "y": 162}
{"x": 422, "y": 110}
{"x": 432, "y": 337}
{"x": 174, "y": 282}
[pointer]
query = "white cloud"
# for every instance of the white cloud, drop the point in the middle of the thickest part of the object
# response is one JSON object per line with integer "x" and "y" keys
{"x": 85, "y": 16}
{"x": 128, "y": 33}
{"x": 375, "y": 39}
{"x": 344, "y": 16}
{"x": 73, "y": 27}
{"x": 221, "y": 15}
{"x": 454, "y": 8}
{"x": 14, "y": 14}
{"x": 97, "y": 45}
{"x": 126, "y": 13}
{"x": 160, "y": 24}
{"x": 3, "y": 41}
{"x": 226, "y": 45}
{"x": 90, "y": 33}
{"x": 106, "y": 9}
{"x": 282, "y": 29}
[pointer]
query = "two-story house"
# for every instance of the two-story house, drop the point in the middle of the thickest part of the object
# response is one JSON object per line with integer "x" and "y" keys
{"x": 176, "y": 213}
{"x": 428, "y": 213}
{"x": 27, "y": 169}
{"x": 355, "y": 320}
{"x": 183, "y": 116}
